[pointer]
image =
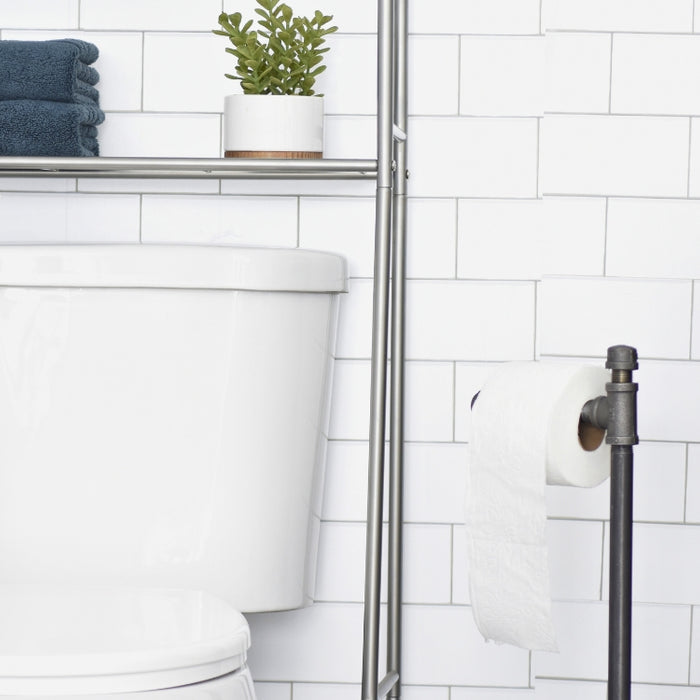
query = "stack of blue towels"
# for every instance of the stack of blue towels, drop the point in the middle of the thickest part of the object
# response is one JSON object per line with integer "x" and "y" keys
{"x": 49, "y": 105}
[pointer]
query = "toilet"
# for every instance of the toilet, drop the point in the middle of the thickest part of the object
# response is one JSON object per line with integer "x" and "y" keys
{"x": 164, "y": 417}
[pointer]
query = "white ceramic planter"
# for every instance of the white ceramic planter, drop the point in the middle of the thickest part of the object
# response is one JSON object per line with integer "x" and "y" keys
{"x": 273, "y": 126}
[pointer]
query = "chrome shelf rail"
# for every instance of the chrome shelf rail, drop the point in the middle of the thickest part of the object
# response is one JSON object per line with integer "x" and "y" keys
{"x": 189, "y": 168}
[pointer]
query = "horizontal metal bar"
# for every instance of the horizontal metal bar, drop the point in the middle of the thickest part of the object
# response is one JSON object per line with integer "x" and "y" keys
{"x": 387, "y": 683}
{"x": 189, "y": 168}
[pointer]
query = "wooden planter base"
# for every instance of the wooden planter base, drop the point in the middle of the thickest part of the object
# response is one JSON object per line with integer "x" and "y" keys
{"x": 305, "y": 155}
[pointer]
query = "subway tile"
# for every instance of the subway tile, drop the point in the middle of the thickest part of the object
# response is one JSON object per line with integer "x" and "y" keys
{"x": 694, "y": 175}
{"x": 431, "y": 238}
{"x": 219, "y": 219}
{"x": 581, "y": 630}
{"x": 495, "y": 694}
{"x": 584, "y": 316}
{"x": 663, "y": 419}
{"x": 341, "y": 555}
{"x": 665, "y": 570}
{"x": 653, "y": 238}
{"x": 667, "y": 692}
{"x": 695, "y": 647}
{"x": 692, "y": 505}
{"x": 655, "y": 74}
{"x": 660, "y": 643}
{"x": 478, "y": 320}
{"x": 185, "y": 72}
{"x": 37, "y": 184}
{"x": 615, "y": 155}
{"x": 581, "y": 503}
{"x": 58, "y": 218}
{"x": 500, "y": 239}
{"x": 325, "y": 691}
{"x": 436, "y": 482}
{"x": 355, "y": 321}
{"x": 660, "y": 639}
{"x": 619, "y": 15}
{"x": 350, "y": 18}
{"x": 474, "y": 157}
{"x": 573, "y": 235}
{"x": 350, "y": 400}
{"x": 349, "y": 83}
{"x": 350, "y": 137}
{"x": 577, "y": 72}
{"x": 320, "y": 643}
{"x": 273, "y": 691}
{"x": 301, "y": 188}
{"x": 41, "y": 14}
{"x": 160, "y": 135}
{"x": 427, "y": 564}
{"x": 460, "y": 567}
{"x": 148, "y": 14}
{"x": 659, "y": 481}
{"x": 120, "y": 55}
{"x": 432, "y": 91}
{"x": 548, "y": 689}
{"x": 475, "y": 17}
{"x": 501, "y": 76}
{"x": 417, "y": 692}
{"x": 345, "y": 488}
{"x": 344, "y": 226}
{"x": 575, "y": 559}
{"x": 142, "y": 185}
{"x": 443, "y": 646}
{"x": 429, "y": 402}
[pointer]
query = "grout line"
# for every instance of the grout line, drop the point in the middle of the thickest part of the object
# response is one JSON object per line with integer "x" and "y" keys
{"x": 456, "y": 231}
{"x": 692, "y": 317}
{"x": 537, "y": 158}
{"x": 452, "y": 563}
{"x": 605, "y": 237}
{"x": 690, "y": 152}
{"x": 692, "y": 24}
{"x": 690, "y": 642}
{"x": 454, "y": 402}
{"x": 610, "y": 74}
{"x": 141, "y": 218}
{"x": 685, "y": 484}
{"x": 602, "y": 561}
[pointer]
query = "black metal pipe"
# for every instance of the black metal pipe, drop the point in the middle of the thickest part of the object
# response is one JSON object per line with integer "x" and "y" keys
{"x": 620, "y": 612}
{"x": 621, "y": 435}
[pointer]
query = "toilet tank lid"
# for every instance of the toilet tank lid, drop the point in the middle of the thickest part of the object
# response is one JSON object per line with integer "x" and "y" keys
{"x": 172, "y": 266}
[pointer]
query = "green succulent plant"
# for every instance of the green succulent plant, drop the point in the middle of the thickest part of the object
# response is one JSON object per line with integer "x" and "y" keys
{"x": 284, "y": 56}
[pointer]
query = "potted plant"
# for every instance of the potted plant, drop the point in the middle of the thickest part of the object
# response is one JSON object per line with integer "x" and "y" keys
{"x": 278, "y": 115}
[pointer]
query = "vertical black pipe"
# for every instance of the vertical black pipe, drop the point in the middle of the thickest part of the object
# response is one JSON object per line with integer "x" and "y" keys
{"x": 621, "y": 435}
{"x": 620, "y": 613}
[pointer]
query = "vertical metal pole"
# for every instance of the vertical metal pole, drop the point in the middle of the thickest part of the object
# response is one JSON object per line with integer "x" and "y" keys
{"x": 370, "y": 652}
{"x": 394, "y": 616}
{"x": 622, "y": 434}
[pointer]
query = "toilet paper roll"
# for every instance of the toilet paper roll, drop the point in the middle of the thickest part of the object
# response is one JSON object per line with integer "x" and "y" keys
{"x": 525, "y": 433}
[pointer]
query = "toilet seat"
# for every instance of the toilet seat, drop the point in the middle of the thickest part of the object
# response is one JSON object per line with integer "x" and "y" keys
{"x": 62, "y": 641}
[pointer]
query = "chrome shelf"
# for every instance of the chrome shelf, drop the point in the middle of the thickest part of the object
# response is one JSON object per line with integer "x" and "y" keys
{"x": 189, "y": 168}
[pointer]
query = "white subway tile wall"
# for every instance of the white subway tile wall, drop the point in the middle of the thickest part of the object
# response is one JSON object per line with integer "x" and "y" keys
{"x": 593, "y": 104}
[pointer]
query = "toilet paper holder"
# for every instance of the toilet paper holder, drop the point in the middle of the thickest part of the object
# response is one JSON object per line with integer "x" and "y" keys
{"x": 616, "y": 415}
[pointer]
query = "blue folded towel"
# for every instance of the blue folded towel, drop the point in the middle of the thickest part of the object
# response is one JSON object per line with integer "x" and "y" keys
{"x": 56, "y": 70}
{"x": 41, "y": 128}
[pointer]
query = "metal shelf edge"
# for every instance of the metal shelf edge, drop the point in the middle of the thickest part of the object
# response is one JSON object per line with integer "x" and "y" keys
{"x": 186, "y": 168}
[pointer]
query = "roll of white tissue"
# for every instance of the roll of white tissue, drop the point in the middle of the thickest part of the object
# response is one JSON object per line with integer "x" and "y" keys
{"x": 525, "y": 433}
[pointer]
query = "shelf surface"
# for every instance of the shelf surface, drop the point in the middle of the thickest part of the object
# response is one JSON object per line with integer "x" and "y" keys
{"x": 188, "y": 168}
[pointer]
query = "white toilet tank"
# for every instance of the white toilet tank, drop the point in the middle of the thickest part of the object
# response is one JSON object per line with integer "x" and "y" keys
{"x": 163, "y": 414}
